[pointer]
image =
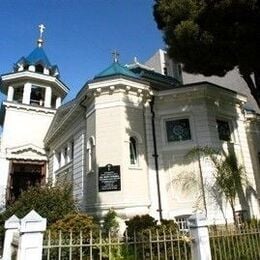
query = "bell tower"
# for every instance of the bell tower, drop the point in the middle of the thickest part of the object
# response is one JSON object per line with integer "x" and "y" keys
{"x": 33, "y": 93}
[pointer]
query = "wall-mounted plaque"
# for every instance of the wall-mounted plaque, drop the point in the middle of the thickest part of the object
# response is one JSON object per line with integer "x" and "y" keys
{"x": 109, "y": 178}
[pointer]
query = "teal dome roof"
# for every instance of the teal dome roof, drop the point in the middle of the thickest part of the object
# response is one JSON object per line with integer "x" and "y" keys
{"x": 38, "y": 56}
{"x": 116, "y": 69}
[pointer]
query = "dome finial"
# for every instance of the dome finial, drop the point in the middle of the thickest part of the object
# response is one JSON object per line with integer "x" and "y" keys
{"x": 40, "y": 39}
{"x": 115, "y": 55}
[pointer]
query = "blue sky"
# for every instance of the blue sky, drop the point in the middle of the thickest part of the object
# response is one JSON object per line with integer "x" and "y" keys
{"x": 80, "y": 35}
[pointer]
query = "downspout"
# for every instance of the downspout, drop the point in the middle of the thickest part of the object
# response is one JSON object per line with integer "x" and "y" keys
{"x": 202, "y": 186}
{"x": 155, "y": 155}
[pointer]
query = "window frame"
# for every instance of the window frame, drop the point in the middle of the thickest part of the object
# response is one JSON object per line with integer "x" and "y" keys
{"x": 63, "y": 155}
{"x": 169, "y": 119}
{"x": 230, "y": 128}
{"x": 37, "y": 95}
{"x": 91, "y": 155}
{"x": 182, "y": 222}
{"x": 39, "y": 68}
{"x": 133, "y": 150}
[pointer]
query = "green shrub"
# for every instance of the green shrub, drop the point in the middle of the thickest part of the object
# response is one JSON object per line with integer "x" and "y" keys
{"x": 140, "y": 223}
{"x": 74, "y": 229}
{"x": 169, "y": 224}
{"x": 75, "y": 223}
{"x": 146, "y": 229}
{"x": 110, "y": 223}
{"x": 53, "y": 203}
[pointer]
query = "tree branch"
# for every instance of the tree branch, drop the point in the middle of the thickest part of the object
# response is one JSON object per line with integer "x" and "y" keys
{"x": 254, "y": 88}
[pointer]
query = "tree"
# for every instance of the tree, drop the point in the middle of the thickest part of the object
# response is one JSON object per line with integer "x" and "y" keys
{"x": 53, "y": 203}
{"x": 229, "y": 177}
{"x": 110, "y": 223}
{"x": 211, "y": 37}
{"x": 50, "y": 202}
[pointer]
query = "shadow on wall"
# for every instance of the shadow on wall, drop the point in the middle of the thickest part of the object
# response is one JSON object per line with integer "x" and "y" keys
{"x": 187, "y": 179}
{"x": 171, "y": 161}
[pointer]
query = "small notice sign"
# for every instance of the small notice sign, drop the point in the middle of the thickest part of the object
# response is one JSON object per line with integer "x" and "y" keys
{"x": 109, "y": 178}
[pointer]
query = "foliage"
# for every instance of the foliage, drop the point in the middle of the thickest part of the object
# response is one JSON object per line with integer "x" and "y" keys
{"x": 229, "y": 176}
{"x": 74, "y": 222}
{"x": 165, "y": 226}
{"x": 110, "y": 223}
{"x": 52, "y": 203}
{"x": 73, "y": 229}
{"x": 212, "y": 37}
{"x": 139, "y": 223}
{"x": 169, "y": 224}
{"x": 144, "y": 229}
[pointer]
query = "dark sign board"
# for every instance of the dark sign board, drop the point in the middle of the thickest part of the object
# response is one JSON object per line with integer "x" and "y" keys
{"x": 109, "y": 178}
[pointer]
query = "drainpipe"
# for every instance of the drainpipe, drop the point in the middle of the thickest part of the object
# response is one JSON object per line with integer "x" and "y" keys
{"x": 155, "y": 155}
{"x": 202, "y": 187}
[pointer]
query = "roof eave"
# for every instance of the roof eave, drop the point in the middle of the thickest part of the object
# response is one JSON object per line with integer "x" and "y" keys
{"x": 33, "y": 75}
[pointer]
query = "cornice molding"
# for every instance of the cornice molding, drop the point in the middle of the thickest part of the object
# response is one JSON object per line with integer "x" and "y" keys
{"x": 26, "y": 152}
{"x": 35, "y": 76}
{"x": 118, "y": 82}
{"x": 20, "y": 106}
{"x": 203, "y": 90}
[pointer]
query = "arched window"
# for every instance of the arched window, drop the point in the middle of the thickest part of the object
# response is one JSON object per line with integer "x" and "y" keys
{"x": 133, "y": 151}
{"x": 91, "y": 154}
{"x": 58, "y": 159}
{"x": 39, "y": 68}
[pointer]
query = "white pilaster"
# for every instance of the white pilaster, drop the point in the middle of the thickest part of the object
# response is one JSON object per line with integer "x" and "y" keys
{"x": 10, "y": 94}
{"x": 27, "y": 93}
{"x": 58, "y": 102}
{"x": 55, "y": 161}
{"x": 69, "y": 152}
{"x": 62, "y": 159}
{"x": 47, "y": 99}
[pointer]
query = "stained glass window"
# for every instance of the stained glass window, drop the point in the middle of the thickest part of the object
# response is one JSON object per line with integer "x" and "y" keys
{"x": 178, "y": 130}
{"x": 223, "y": 130}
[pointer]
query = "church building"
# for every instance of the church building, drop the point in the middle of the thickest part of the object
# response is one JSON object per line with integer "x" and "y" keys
{"x": 122, "y": 141}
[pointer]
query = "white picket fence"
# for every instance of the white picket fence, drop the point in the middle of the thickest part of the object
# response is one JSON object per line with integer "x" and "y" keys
{"x": 24, "y": 240}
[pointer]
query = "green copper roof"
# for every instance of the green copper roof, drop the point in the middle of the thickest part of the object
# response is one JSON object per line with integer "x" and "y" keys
{"x": 116, "y": 69}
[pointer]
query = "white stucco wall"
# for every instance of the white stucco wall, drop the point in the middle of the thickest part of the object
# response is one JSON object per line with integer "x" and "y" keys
{"x": 202, "y": 108}
{"x": 72, "y": 133}
{"x": 116, "y": 117}
{"x": 253, "y": 137}
{"x": 23, "y": 125}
